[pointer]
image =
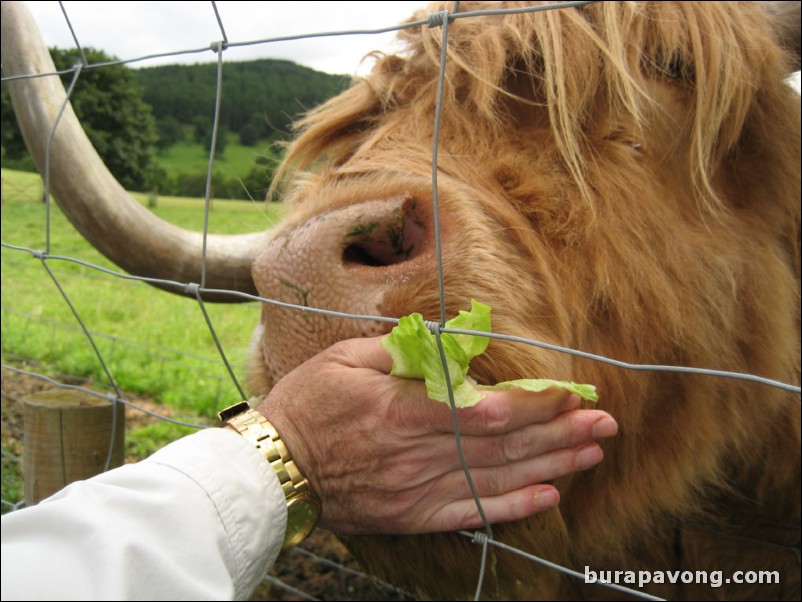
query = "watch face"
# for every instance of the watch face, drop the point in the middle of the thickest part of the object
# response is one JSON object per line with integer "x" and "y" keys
{"x": 302, "y": 515}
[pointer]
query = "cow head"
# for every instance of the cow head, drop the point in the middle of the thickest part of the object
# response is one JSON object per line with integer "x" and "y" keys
{"x": 621, "y": 178}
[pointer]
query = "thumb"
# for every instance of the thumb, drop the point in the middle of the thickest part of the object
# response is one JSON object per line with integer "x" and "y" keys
{"x": 362, "y": 353}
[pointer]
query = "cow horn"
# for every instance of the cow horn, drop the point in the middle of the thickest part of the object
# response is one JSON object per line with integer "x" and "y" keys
{"x": 97, "y": 205}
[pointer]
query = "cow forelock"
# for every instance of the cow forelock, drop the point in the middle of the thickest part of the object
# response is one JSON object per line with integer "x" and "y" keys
{"x": 575, "y": 72}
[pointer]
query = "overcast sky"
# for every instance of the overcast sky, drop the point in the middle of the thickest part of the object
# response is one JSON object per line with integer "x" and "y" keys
{"x": 134, "y": 29}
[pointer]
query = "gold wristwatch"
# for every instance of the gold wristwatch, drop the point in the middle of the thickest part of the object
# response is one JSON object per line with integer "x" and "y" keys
{"x": 303, "y": 506}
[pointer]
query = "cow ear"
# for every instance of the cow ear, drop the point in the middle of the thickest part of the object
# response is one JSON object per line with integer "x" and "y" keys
{"x": 787, "y": 25}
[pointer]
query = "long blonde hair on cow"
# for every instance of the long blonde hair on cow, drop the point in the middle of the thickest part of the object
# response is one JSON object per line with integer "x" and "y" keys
{"x": 572, "y": 55}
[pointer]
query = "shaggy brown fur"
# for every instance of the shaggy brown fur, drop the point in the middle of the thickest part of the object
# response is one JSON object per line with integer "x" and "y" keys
{"x": 624, "y": 179}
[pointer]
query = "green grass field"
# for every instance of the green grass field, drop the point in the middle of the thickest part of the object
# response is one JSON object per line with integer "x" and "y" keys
{"x": 153, "y": 343}
{"x": 188, "y": 157}
{"x": 155, "y": 346}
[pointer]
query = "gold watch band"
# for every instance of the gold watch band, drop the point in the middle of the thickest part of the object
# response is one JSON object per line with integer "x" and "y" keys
{"x": 303, "y": 506}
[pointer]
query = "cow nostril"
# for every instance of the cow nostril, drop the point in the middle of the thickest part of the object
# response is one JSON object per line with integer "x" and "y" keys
{"x": 380, "y": 240}
{"x": 358, "y": 254}
{"x": 381, "y": 253}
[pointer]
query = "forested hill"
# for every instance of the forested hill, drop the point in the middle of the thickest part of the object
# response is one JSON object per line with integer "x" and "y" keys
{"x": 152, "y": 126}
{"x": 259, "y": 98}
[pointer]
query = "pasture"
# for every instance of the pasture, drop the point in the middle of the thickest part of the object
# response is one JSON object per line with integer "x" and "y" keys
{"x": 38, "y": 324}
{"x": 156, "y": 346}
{"x": 189, "y": 157}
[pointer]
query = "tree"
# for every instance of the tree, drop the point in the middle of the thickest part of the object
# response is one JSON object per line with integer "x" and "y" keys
{"x": 267, "y": 93}
{"x": 13, "y": 145}
{"x": 170, "y": 132}
{"x": 201, "y": 126}
{"x": 249, "y": 134}
{"x": 108, "y": 102}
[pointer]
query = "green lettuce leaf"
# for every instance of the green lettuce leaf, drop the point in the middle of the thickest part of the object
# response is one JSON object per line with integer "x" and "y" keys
{"x": 415, "y": 355}
{"x": 536, "y": 385}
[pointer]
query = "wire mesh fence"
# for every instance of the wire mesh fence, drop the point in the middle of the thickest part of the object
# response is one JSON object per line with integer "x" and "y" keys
{"x": 221, "y": 372}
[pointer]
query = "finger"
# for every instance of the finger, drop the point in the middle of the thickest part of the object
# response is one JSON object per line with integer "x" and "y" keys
{"x": 566, "y": 430}
{"x": 500, "y": 412}
{"x": 502, "y": 479}
{"x": 503, "y": 412}
{"x": 506, "y": 411}
{"x": 362, "y": 353}
{"x": 515, "y": 505}
{"x": 436, "y": 455}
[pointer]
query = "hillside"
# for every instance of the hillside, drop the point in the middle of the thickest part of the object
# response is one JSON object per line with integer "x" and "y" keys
{"x": 152, "y": 125}
{"x": 259, "y": 98}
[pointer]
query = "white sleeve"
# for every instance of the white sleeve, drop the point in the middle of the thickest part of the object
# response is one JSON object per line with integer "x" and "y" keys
{"x": 201, "y": 519}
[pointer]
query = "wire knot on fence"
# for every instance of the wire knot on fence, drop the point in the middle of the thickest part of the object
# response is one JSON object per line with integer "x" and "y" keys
{"x": 439, "y": 18}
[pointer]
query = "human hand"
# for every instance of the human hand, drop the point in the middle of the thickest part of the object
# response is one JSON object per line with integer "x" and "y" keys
{"x": 383, "y": 458}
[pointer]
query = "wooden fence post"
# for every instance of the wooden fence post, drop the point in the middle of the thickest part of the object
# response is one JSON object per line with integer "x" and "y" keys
{"x": 67, "y": 435}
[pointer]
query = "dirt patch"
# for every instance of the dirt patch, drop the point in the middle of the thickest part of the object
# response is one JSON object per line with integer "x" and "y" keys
{"x": 320, "y": 569}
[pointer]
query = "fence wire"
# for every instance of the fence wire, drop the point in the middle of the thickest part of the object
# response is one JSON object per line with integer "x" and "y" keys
{"x": 218, "y": 47}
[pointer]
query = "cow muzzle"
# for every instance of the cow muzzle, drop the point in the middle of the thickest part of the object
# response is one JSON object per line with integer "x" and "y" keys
{"x": 345, "y": 260}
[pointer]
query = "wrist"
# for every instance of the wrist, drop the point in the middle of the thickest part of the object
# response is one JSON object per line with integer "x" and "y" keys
{"x": 303, "y": 505}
